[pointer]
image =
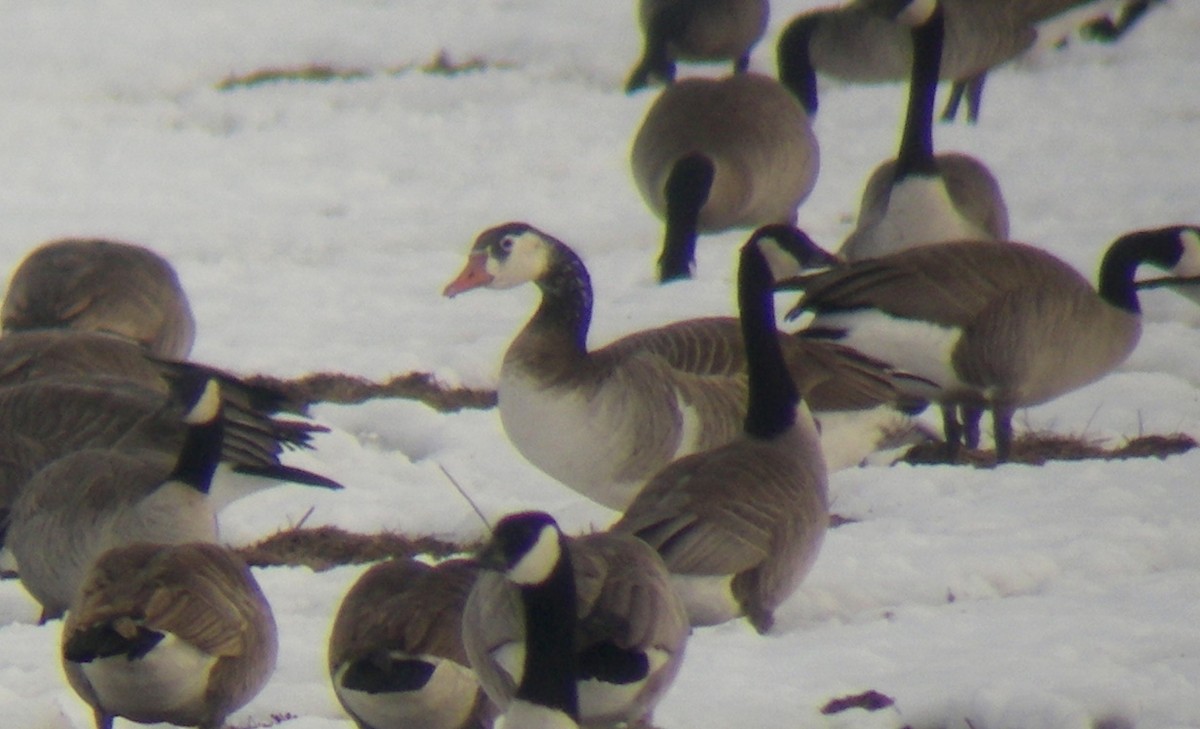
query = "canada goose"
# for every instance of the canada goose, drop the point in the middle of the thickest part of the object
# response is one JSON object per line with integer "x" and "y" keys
{"x": 716, "y": 154}
{"x": 602, "y": 421}
{"x": 396, "y": 655}
{"x": 696, "y": 30}
{"x": 629, "y": 641}
{"x": 739, "y": 525}
{"x": 529, "y": 551}
{"x": 858, "y": 43}
{"x": 84, "y": 503}
{"x": 998, "y": 325}
{"x": 101, "y": 285}
{"x": 920, "y": 197}
{"x": 168, "y": 633}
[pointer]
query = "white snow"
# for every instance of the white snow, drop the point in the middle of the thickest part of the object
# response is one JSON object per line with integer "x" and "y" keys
{"x": 314, "y": 225}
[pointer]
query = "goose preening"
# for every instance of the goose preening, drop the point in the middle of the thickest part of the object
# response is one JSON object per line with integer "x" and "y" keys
{"x": 717, "y": 154}
{"x": 168, "y": 633}
{"x": 859, "y": 43}
{"x": 740, "y": 524}
{"x": 695, "y": 30}
{"x": 101, "y": 285}
{"x": 995, "y": 325}
{"x": 396, "y": 655}
{"x": 86, "y": 502}
{"x": 920, "y": 197}
{"x": 604, "y": 420}
{"x": 630, "y": 634}
{"x": 530, "y": 552}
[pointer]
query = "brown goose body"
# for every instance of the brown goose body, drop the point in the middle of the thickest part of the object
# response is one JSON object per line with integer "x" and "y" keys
{"x": 180, "y": 634}
{"x": 100, "y": 285}
{"x": 993, "y": 324}
{"x": 755, "y": 150}
{"x": 631, "y": 630}
{"x": 396, "y": 656}
{"x": 697, "y": 31}
{"x": 602, "y": 421}
{"x": 739, "y": 525}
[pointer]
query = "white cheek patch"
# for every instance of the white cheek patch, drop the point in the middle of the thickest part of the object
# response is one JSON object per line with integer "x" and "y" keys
{"x": 536, "y": 565}
{"x": 207, "y": 406}
{"x": 527, "y": 261}
{"x": 1189, "y": 260}
{"x": 916, "y": 12}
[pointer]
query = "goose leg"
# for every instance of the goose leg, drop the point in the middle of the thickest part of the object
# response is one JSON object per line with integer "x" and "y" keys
{"x": 742, "y": 64}
{"x": 972, "y": 89}
{"x": 655, "y": 61}
{"x": 971, "y": 415}
{"x": 1002, "y": 431}
{"x": 952, "y": 431}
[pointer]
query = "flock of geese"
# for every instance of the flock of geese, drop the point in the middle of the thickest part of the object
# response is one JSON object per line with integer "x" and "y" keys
{"x": 712, "y": 437}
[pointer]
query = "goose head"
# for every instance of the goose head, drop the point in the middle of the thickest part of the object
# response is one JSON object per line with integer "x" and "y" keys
{"x": 504, "y": 257}
{"x": 1175, "y": 249}
{"x": 1186, "y": 281}
{"x": 525, "y": 547}
{"x": 790, "y": 251}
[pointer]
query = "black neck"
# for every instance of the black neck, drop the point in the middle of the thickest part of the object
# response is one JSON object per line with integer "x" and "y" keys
{"x": 566, "y": 297}
{"x": 773, "y": 396}
{"x": 916, "y": 143}
{"x": 687, "y": 189}
{"x": 550, "y": 617}
{"x": 1158, "y": 247}
{"x": 200, "y": 454}
{"x": 794, "y": 62}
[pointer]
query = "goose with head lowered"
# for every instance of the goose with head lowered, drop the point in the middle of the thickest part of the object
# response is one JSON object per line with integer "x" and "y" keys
{"x": 176, "y": 633}
{"x": 604, "y": 420}
{"x": 997, "y": 325}
{"x": 739, "y": 525}
{"x": 920, "y": 197}
{"x": 719, "y": 154}
{"x": 396, "y": 655}
{"x": 530, "y": 552}
{"x": 631, "y": 630}
{"x": 101, "y": 285}
{"x": 695, "y": 30}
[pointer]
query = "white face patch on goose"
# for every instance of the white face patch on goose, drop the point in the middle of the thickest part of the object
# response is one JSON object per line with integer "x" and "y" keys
{"x": 523, "y": 258}
{"x": 917, "y": 12}
{"x": 206, "y": 406}
{"x": 1189, "y": 259}
{"x": 538, "y": 561}
{"x": 782, "y": 263}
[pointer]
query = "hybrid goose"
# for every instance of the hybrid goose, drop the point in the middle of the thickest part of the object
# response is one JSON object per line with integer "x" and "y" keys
{"x": 858, "y": 43}
{"x": 920, "y": 197}
{"x": 717, "y": 154}
{"x": 603, "y": 421}
{"x": 89, "y": 501}
{"x": 100, "y": 285}
{"x": 529, "y": 551}
{"x": 168, "y": 633}
{"x": 695, "y": 30}
{"x": 997, "y": 325}
{"x": 396, "y": 655}
{"x": 630, "y": 634}
{"x": 739, "y": 525}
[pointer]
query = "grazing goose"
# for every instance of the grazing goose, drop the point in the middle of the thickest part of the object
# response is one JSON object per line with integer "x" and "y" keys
{"x": 696, "y": 30}
{"x": 717, "y": 154}
{"x": 994, "y": 324}
{"x": 530, "y": 552}
{"x": 858, "y": 43}
{"x": 602, "y": 421}
{"x": 739, "y": 525}
{"x": 629, "y": 640}
{"x": 396, "y": 655}
{"x": 168, "y": 633}
{"x": 920, "y": 197}
{"x": 89, "y": 501}
{"x": 101, "y": 285}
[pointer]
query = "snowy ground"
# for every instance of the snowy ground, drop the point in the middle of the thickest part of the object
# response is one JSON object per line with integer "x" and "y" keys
{"x": 314, "y": 225}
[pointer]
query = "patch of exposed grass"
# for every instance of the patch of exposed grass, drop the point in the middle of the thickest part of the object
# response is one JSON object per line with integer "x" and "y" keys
{"x": 1038, "y": 448}
{"x": 326, "y": 547}
{"x": 337, "y": 387}
{"x": 442, "y": 64}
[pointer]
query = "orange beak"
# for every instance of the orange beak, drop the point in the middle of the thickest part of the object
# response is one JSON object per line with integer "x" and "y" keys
{"x": 473, "y": 275}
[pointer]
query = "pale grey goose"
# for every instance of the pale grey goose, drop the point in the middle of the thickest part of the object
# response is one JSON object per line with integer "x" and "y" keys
{"x": 857, "y": 42}
{"x": 88, "y": 501}
{"x": 919, "y": 197}
{"x": 695, "y": 30}
{"x": 101, "y": 285}
{"x": 630, "y": 634}
{"x": 717, "y": 154}
{"x": 529, "y": 551}
{"x": 999, "y": 325}
{"x": 168, "y": 633}
{"x": 396, "y": 656}
{"x": 604, "y": 420}
{"x": 739, "y": 525}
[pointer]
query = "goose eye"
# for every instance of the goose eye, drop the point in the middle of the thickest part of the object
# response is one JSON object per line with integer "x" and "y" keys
{"x": 506, "y": 243}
